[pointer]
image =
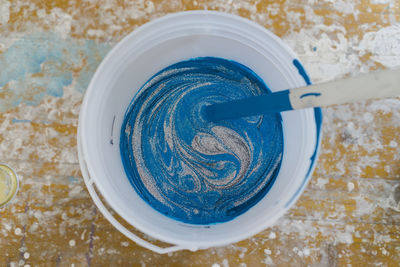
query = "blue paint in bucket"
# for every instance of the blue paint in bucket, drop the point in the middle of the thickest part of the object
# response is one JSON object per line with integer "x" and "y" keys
{"x": 190, "y": 169}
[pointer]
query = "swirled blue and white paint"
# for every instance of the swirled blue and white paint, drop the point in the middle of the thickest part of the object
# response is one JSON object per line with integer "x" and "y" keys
{"x": 187, "y": 168}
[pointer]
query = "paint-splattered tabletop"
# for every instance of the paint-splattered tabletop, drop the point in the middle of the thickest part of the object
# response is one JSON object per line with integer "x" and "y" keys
{"x": 49, "y": 49}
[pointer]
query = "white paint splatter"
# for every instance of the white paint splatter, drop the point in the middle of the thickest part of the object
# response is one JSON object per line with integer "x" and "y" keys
{"x": 112, "y": 251}
{"x": 298, "y": 251}
{"x": 272, "y": 235}
{"x": 18, "y": 231}
{"x": 383, "y": 44}
{"x": 321, "y": 182}
{"x": 364, "y": 206}
{"x": 26, "y": 255}
{"x": 350, "y": 186}
{"x": 379, "y": 238}
{"x": 149, "y": 6}
{"x": 268, "y": 261}
{"x": 380, "y": 1}
{"x": 76, "y": 190}
{"x": 4, "y": 11}
{"x": 41, "y": 13}
{"x": 7, "y": 226}
{"x": 100, "y": 251}
{"x": 345, "y": 7}
{"x": 368, "y": 117}
{"x": 393, "y": 144}
{"x": 242, "y": 250}
{"x": 83, "y": 234}
{"x": 95, "y": 33}
{"x": 61, "y": 22}
{"x": 72, "y": 243}
{"x": 324, "y": 51}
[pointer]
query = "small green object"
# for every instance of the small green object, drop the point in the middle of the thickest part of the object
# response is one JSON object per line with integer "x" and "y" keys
{"x": 8, "y": 184}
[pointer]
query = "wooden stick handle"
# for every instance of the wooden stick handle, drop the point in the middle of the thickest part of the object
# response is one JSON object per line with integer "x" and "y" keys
{"x": 378, "y": 84}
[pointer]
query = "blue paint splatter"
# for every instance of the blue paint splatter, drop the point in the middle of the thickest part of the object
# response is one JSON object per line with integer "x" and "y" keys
{"x": 310, "y": 94}
{"x": 72, "y": 179}
{"x": 14, "y": 120}
{"x": 42, "y": 64}
{"x": 190, "y": 169}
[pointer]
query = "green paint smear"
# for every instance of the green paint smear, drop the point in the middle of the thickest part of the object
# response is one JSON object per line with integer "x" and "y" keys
{"x": 43, "y": 63}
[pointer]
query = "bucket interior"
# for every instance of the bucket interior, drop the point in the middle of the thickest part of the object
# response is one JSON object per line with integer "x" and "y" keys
{"x": 145, "y": 52}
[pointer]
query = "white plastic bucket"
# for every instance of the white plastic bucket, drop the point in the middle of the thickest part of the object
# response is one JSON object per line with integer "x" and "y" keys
{"x": 130, "y": 64}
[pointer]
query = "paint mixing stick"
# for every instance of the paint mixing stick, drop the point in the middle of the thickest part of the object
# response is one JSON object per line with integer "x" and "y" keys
{"x": 378, "y": 84}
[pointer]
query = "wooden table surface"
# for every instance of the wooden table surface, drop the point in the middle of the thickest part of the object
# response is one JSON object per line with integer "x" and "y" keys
{"x": 349, "y": 215}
